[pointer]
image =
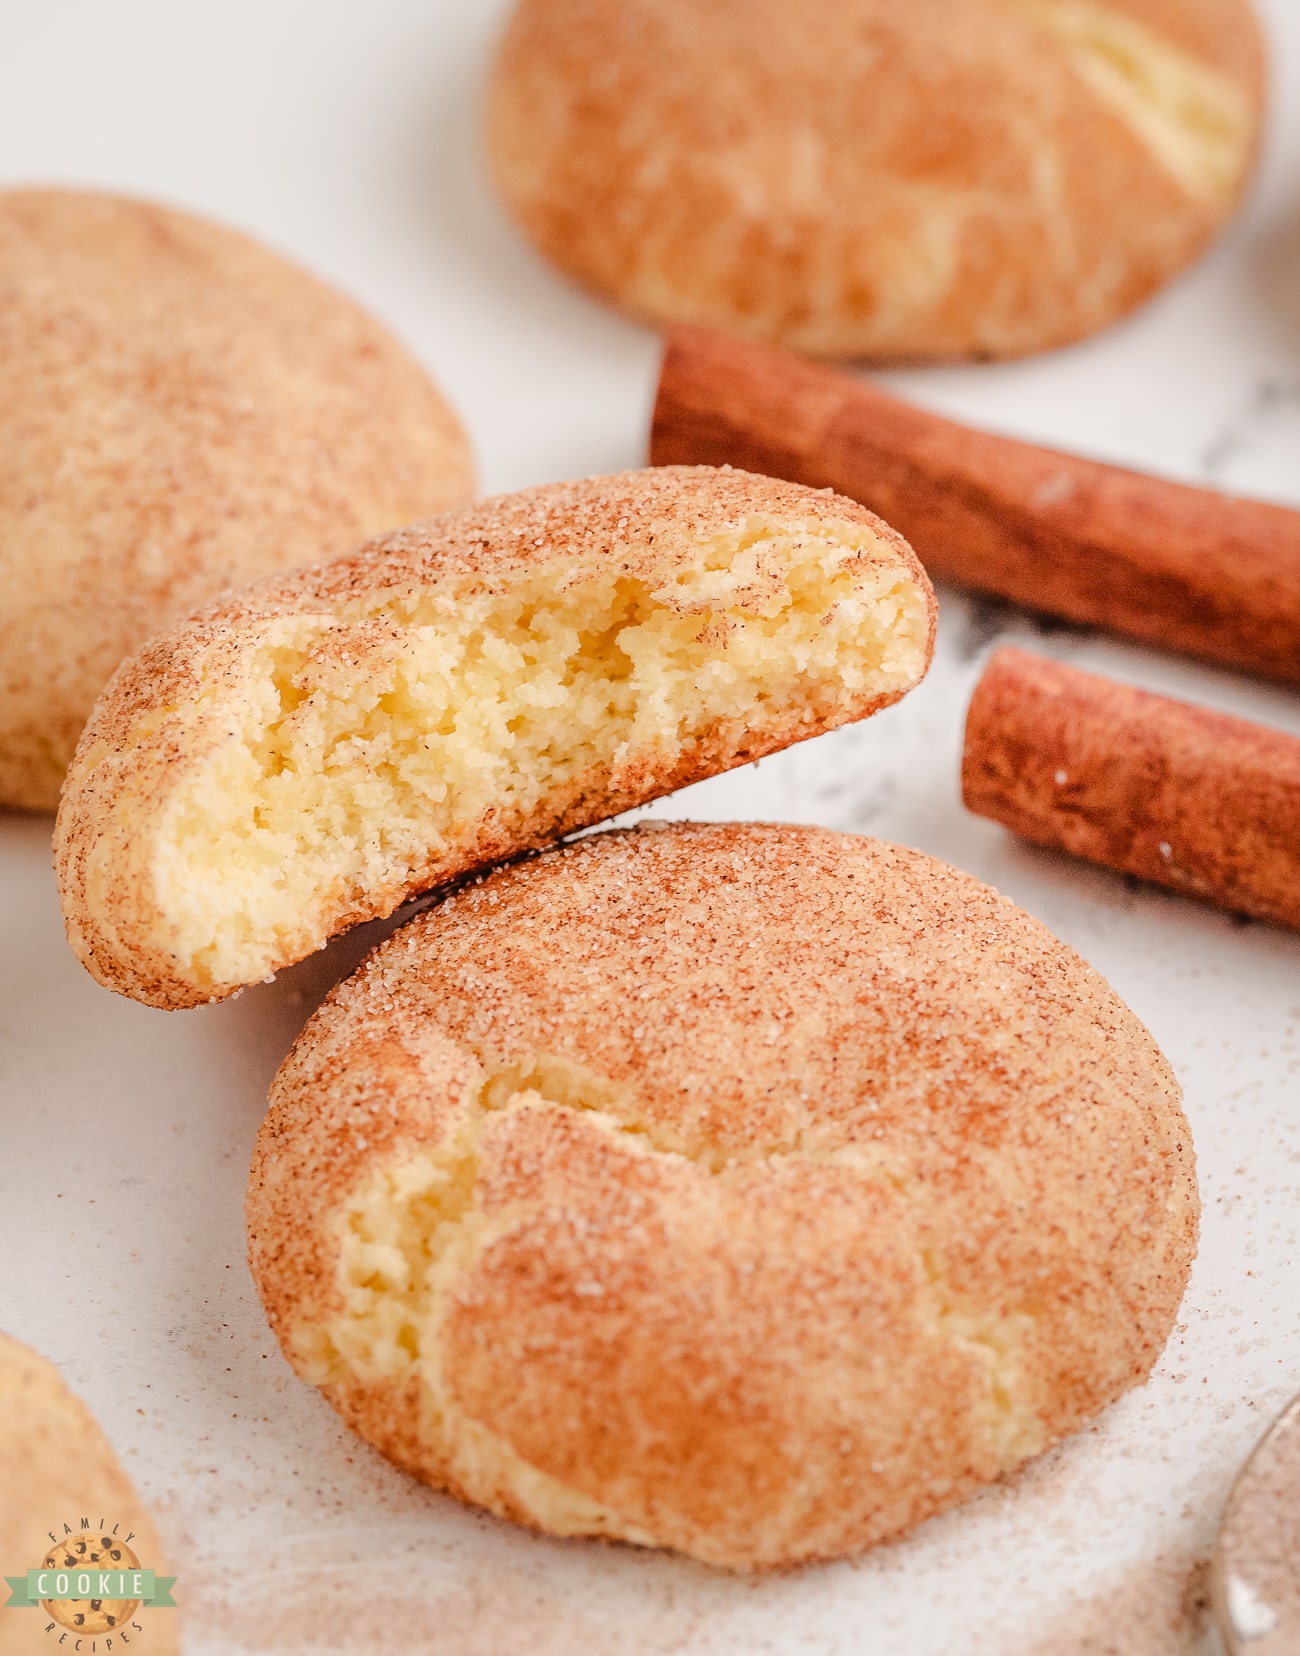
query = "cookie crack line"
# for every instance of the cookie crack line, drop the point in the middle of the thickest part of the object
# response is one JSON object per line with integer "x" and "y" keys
{"x": 1193, "y": 119}
{"x": 415, "y": 1228}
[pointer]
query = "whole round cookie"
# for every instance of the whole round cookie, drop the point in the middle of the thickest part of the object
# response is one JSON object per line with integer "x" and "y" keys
{"x": 67, "y": 1506}
{"x": 180, "y": 411}
{"x": 753, "y": 1191}
{"x": 941, "y": 179}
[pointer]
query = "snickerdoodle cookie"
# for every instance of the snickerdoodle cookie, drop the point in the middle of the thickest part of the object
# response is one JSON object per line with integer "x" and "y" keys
{"x": 752, "y": 1191}
{"x": 67, "y": 1506}
{"x": 311, "y": 752}
{"x": 180, "y": 412}
{"x": 935, "y": 179}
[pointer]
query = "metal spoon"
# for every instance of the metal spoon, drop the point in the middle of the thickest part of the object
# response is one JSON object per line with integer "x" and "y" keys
{"x": 1255, "y": 1573}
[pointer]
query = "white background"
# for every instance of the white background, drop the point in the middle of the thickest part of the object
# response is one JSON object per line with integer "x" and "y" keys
{"x": 345, "y": 134}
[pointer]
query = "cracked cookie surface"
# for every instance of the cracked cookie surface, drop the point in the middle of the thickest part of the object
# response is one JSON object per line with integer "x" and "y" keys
{"x": 929, "y": 181}
{"x": 753, "y": 1191}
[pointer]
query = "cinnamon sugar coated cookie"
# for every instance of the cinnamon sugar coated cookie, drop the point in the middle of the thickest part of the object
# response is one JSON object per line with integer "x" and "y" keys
{"x": 56, "y": 1469}
{"x": 180, "y": 411}
{"x": 313, "y": 751}
{"x": 752, "y": 1191}
{"x": 935, "y": 179}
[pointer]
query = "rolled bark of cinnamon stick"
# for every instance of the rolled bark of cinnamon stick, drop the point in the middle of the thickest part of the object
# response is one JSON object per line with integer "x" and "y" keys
{"x": 1190, "y": 569}
{"x": 1195, "y": 800}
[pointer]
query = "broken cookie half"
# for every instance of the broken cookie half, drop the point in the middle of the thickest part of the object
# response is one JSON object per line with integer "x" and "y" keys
{"x": 314, "y": 750}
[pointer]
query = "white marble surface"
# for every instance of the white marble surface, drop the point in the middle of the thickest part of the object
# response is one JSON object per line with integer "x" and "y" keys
{"x": 345, "y": 134}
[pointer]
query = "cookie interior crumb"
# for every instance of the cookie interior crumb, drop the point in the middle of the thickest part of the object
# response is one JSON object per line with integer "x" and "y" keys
{"x": 372, "y": 735}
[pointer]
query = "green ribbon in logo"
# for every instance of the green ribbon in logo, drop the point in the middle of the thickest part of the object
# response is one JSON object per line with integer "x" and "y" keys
{"x": 153, "y": 1591}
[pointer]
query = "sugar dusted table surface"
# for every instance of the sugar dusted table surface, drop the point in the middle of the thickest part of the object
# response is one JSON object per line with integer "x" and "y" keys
{"x": 346, "y": 136}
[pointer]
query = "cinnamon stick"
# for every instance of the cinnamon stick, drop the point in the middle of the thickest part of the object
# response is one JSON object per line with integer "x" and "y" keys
{"x": 1197, "y": 801}
{"x": 1190, "y": 569}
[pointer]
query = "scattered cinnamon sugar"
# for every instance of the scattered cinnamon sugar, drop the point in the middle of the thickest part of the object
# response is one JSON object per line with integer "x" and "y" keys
{"x": 482, "y": 1614}
{"x": 1160, "y": 1607}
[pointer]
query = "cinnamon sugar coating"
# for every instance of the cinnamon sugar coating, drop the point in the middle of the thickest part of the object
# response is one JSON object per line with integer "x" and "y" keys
{"x": 181, "y": 411}
{"x": 940, "y": 179}
{"x": 753, "y": 1191}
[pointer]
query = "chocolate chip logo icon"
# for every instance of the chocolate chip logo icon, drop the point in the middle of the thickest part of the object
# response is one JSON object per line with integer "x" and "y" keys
{"x": 96, "y": 1555}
